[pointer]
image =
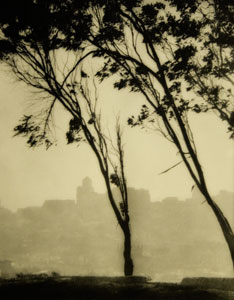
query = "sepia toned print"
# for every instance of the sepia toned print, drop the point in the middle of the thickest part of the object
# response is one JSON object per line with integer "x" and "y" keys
{"x": 117, "y": 149}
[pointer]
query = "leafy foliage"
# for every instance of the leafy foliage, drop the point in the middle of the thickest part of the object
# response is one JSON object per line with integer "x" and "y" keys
{"x": 36, "y": 136}
{"x": 74, "y": 133}
{"x": 122, "y": 207}
{"x": 144, "y": 115}
{"x": 114, "y": 179}
{"x": 195, "y": 37}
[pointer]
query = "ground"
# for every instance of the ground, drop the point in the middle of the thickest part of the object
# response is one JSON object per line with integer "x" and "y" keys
{"x": 93, "y": 288}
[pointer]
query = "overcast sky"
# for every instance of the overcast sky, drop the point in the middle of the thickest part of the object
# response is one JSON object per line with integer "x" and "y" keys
{"x": 28, "y": 177}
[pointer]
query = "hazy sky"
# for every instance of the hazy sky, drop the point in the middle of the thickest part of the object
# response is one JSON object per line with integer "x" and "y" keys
{"x": 28, "y": 177}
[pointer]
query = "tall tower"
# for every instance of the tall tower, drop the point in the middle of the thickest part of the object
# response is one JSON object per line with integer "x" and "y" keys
{"x": 85, "y": 194}
{"x": 85, "y": 189}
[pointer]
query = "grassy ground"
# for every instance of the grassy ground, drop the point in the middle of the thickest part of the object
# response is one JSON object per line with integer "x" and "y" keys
{"x": 75, "y": 288}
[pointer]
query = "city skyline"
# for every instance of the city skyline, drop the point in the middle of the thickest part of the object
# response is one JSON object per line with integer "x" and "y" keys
{"x": 69, "y": 237}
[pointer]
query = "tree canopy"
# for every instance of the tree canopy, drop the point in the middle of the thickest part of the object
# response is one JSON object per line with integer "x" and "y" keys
{"x": 193, "y": 41}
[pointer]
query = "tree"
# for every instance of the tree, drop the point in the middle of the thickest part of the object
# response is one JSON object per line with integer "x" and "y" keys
{"x": 151, "y": 47}
{"x": 153, "y": 54}
{"x": 34, "y": 57}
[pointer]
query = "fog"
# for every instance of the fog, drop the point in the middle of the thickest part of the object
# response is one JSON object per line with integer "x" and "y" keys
{"x": 171, "y": 239}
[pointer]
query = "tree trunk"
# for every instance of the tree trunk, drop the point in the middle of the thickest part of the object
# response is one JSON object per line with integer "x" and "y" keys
{"x": 230, "y": 242}
{"x": 223, "y": 222}
{"x": 229, "y": 237}
{"x": 128, "y": 263}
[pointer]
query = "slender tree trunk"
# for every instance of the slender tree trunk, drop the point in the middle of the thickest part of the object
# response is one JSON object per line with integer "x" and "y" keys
{"x": 128, "y": 263}
{"x": 230, "y": 242}
{"x": 223, "y": 222}
{"x": 124, "y": 224}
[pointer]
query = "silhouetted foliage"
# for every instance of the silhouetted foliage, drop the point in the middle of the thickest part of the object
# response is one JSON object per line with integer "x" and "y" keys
{"x": 114, "y": 178}
{"x": 36, "y": 137}
{"x": 74, "y": 133}
{"x": 213, "y": 63}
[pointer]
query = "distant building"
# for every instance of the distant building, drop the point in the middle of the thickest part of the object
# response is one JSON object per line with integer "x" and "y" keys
{"x": 57, "y": 206}
{"x": 90, "y": 204}
{"x": 97, "y": 205}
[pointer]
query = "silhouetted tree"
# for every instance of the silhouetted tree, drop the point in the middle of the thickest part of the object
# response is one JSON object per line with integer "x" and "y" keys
{"x": 34, "y": 57}
{"x": 152, "y": 48}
